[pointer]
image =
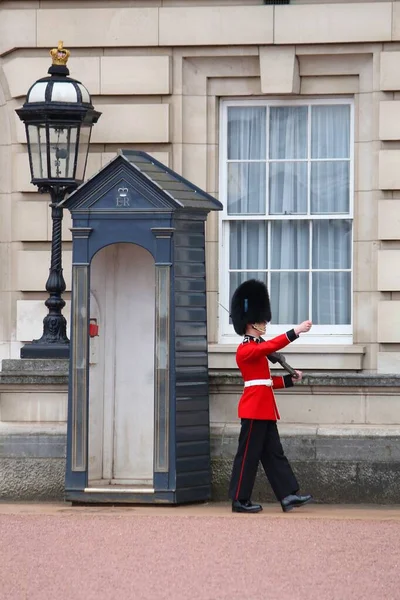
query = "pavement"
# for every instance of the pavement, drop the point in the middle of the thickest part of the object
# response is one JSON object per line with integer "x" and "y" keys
{"x": 199, "y": 552}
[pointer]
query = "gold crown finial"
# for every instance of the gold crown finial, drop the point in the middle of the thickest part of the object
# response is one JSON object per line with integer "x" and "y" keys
{"x": 60, "y": 55}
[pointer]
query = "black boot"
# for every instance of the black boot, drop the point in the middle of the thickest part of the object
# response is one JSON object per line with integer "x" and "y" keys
{"x": 245, "y": 506}
{"x": 294, "y": 500}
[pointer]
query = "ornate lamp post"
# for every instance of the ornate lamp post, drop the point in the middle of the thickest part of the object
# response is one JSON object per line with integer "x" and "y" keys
{"x": 58, "y": 116}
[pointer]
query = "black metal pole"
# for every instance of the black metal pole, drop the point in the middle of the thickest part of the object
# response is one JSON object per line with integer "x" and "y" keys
{"x": 54, "y": 342}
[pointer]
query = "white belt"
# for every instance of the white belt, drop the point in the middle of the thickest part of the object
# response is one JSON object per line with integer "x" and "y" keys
{"x": 252, "y": 382}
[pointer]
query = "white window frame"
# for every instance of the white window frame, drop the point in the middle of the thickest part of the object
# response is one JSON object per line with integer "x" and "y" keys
{"x": 320, "y": 334}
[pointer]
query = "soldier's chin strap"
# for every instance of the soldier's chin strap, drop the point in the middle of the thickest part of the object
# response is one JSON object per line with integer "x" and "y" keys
{"x": 259, "y": 329}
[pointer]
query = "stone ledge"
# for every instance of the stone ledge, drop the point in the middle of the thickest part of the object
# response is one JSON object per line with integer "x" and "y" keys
{"x": 28, "y": 365}
{"x": 26, "y": 371}
{"x": 361, "y": 444}
{"x": 306, "y": 357}
{"x": 312, "y": 380}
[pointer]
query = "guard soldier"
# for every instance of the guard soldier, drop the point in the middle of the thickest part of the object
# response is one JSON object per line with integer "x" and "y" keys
{"x": 259, "y": 437}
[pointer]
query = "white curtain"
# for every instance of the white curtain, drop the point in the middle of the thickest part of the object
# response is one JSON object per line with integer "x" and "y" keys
{"x": 247, "y": 142}
{"x": 331, "y": 238}
{"x": 299, "y": 248}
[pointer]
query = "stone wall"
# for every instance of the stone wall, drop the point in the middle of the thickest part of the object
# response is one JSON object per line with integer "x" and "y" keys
{"x": 356, "y": 458}
{"x": 158, "y": 73}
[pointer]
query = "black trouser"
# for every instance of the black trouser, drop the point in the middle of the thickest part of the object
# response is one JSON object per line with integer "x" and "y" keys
{"x": 260, "y": 441}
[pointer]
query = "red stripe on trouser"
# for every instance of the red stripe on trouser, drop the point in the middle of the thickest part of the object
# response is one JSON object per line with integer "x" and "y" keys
{"x": 243, "y": 461}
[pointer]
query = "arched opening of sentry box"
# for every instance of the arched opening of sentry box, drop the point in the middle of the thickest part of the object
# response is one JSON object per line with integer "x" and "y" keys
{"x": 121, "y": 371}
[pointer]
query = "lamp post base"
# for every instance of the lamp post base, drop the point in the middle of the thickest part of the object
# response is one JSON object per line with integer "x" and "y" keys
{"x": 45, "y": 351}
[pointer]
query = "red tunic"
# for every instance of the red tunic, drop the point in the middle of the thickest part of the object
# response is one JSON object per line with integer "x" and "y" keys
{"x": 258, "y": 401}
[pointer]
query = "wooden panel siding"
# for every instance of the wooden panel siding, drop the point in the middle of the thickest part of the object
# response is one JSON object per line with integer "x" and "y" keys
{"x": 191, "y": 358}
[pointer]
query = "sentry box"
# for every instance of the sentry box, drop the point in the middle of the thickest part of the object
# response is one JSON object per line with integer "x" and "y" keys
{"x": 138, "y": 405}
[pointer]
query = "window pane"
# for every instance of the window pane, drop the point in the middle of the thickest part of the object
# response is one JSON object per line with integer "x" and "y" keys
{"x": 38, "y": 145}
{"x": 246, "y": 188}
{"x": 248, "y": 245}
{"x": 331, "y": 248}
{"x": 330, "y": 131}
{"x": 288, "y": 188}
{"x": 246, "y": 133}
{"x": 330, "y": 185}
{"x": 288, "y": 132}
{"x": 290, "y": 244}
{"x": 289, "y": 297}
{"x": 331, "y": 298}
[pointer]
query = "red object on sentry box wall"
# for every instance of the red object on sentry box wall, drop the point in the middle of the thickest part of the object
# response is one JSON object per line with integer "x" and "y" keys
{"x": 93, "y": 328}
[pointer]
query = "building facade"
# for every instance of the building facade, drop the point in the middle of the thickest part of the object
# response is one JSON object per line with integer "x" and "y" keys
{"x": 290, "y": 116}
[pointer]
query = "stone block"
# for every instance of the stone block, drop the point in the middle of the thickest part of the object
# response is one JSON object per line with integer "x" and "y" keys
{"x": 212, "y": 317}
{"x": 366, "y": 162}
{"x": 389, "y": 120}
{"x": 6, "y": 303}
{"x": 132, "y": 124}
{"x": 5, "y": 123}
{"x": 22, "y": 174}
{"x": 216, "y": 25}
{"x": 390, "y": 71}
{"x": 365, "y": 317}
{"x": 194, "y": 119}
{"x": 306, "y": 357}
{"x": 328, "y": 23}
{"x": 389, "y": 219}
{"x": 22, "y": 71}
{"x": 389, "y": 362}
{"x": 379, "y": 482}
{"x": 32, "y": 445}
{"x": 366, "y": 209}
{"x": 212, "y": 266}
{"x": 382, "y": 409}
{"x": 94, "y": 164}
{"x": 396, "y": 22}
{"x": 365, "y": 263}
{"x": 380, "y": 449}
{"x": 233, "y": 86}
{"x": 144, "y": 75}
{"x": 30, "y": 315}
{"x": 212, "y": 226}
{"x": 33, "y": 406}
{"x": 338, "y": 84}
{"x": 212, "y": 169}
{"x": 18, "y": 29}
{"x": 389, "y": 172}
{"x": 223, "y": 407}
{"x": 30, "y": 220}
{"x": 367, "y": 116}
{"x": 88, "y": 28}
{"x": 279, "y": 70}
{"x": 389, "y": 322}
{"x": 388, "y": 270}
{"x": 32, "y": 479}
{"x": 5, "y": 169}
{"x": 320, "y": 408}
{"x": 195, "y": 164}
{"x": 18, "y": 130}
{"x": 330, "y": 63}
{"x": 32, "y": 269}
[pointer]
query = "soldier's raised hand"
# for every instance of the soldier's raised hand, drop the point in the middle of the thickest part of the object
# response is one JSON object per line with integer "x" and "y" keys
{"x": 304, "y": 327}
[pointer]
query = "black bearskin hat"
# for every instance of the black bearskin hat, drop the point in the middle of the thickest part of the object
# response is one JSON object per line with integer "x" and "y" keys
{"x": 250, "y": 304}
